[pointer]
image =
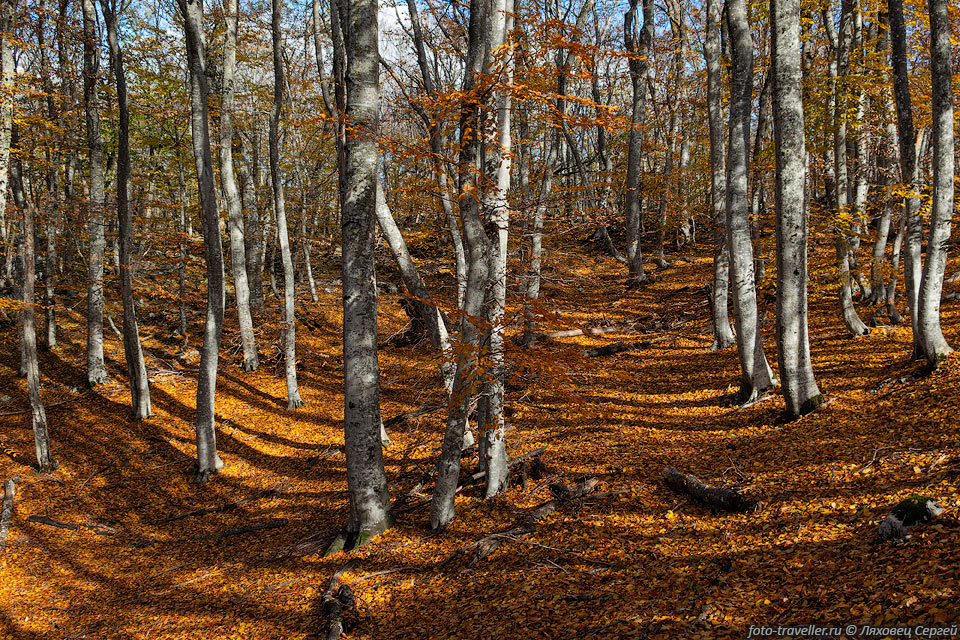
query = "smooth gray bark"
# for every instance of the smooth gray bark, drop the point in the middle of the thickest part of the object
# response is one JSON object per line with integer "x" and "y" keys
{"x": 252, "y": 234}
{"x": 366, "y": 480}
{"x": 638, "y": 45}
{"x": 136, "y": 369}
{"x": 231, "y": 194}
{"x": 800, "y": 389}
{"x": 45, "y": 460}
{"x": 935, "y": 346}
{"x": 756, "y": 376}
{"x": 8, "y": 12}
{"x": 208, "y": 461}
{"x": 913, "y": 238}
{"x": 283, "y": 237}
{"x": 470, "y": 166}
{"x": 722, "y": 330}
{"x": 96, "y": 370}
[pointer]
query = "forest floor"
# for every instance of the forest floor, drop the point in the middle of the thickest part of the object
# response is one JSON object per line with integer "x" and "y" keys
{"x": 635, "y": 560}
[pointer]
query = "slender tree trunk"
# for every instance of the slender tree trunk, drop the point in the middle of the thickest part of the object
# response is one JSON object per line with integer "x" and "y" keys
{"x": 96, "y": 370}
{"x": 182, "y": 263}
{"x": 208, "y": 461}
{"x": 913, "y": 238}
{"x": 722, "y": 331}
{"x": 478, "y": 251}
{"x": 252, "y": 234}
{"x": 136, "y": 369}
{"x": 8, "y": 12}
{"x": 639, "y": 49}
{"x": 935, "y": 346}
{"x": 366, "y": 480}
{"x": 756, "y": 376}
{"x": 231, "y": 194}
{"x": 800, "y": 389}
{"x": 45, "y": 460}
{"x": 289, "y": 312}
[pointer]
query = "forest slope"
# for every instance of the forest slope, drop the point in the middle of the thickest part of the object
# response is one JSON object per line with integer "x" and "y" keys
{"x": 634, "y": 560}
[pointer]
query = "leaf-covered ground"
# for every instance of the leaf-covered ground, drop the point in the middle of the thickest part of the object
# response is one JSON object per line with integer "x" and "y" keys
{"x": 636, "y": 560}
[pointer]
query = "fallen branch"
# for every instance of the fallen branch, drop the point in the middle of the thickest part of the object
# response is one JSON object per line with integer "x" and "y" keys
{"x": 260, "y": 526}
{"x": 99, "y": 529}
{"x": 620, "y": 347}
{"x": 562, "y": 496}
{"x": 47, "y": 407}
{"x": 716, "y": 497}
{"x": 269, "y": 493}
{"x": 6, "y": 510}
{"x": 422, "y": 411}
{"x": 336, "y": 599}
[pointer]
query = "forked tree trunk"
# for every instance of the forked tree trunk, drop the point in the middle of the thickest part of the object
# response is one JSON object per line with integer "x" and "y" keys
{"x": 722, "y": 331}
{"x": 289, "y": 286}
{"x": 136, "y": 369}
{"x": 96, "y": 370}
{"x": 208, "y": 461}
{"x": 756, "y": 376}
{"x": 478, "y": 247}
{"x": 366, "y": 480}
{"x": 793, "y": 341}
{"x": 231, "y": 194}
{"x": 935, "y": 346}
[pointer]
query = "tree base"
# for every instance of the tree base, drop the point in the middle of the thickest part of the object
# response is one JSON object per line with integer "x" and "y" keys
{"x": 348, "y": 540}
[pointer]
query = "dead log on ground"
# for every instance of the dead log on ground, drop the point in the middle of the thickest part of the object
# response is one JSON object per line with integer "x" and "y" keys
{"x": 620, "y": 347}
{"x": 416, "y": 413}
{"x": 336, "y": 599}
{"x": 563, "y": 496}
{"x": 716, "y": 497}
{"x": 268, "y": 493}
{"x": 6, "y": 511}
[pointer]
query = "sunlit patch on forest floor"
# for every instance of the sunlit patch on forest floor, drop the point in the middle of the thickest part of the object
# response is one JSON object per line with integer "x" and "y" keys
{"x": 637, "y": 560}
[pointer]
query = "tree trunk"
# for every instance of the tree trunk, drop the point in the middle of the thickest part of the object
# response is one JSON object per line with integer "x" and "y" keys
{"x": 96, "y": 370}
{"x": 935, "y": 346}
{"x": 800, "y": 389}
{"x": 366, "y": 480}
{"x": 8, "y": 12}
{"x": 639, "y": 66}
{"x": 208, "y": 462}
{"x": 231, "y": 194}
{"x": 45, "y": 461}
{"x": 252, "y": 234}
{"x": 722, "y": 331}
{"x": 136, "y": 369}
{"x": 289, "y": 313}
{"x": 756, "y": 376}
{"x": 913, "y": 238}
{"x": 478, "y": 247}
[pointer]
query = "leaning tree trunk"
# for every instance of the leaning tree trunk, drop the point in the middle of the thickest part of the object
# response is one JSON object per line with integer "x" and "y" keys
{"x": 41, "y": 438}
{"x": 756, "y": 376}
{"x": 722, "y": 331}
{"x": 478, "y": 248}
{"x": 839, "y": 69}
{"x": 639, "y": 65}
{"x": 136, "y": 369}
{"x": 96, "y": 370}
{"x": 913, "y": 238}
{"x": 793, "y": 341}
{"x": 366, "y": 480}
{"x": 231, "y": 194}
{"x": 208, "y": 462}
{"x": 289, "y": 317}
{"x": 935, "y": 346}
